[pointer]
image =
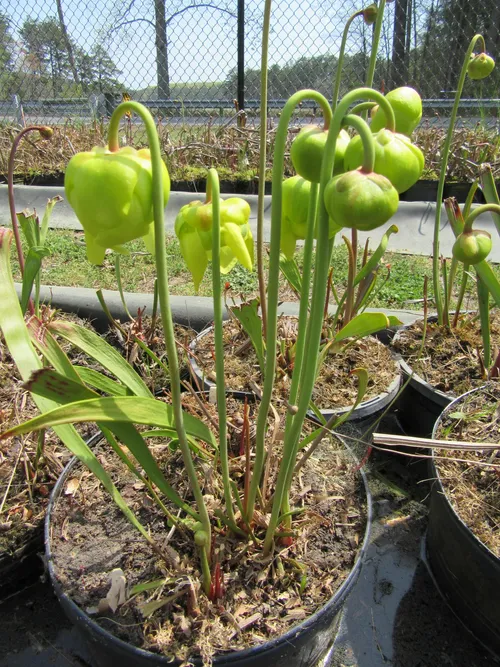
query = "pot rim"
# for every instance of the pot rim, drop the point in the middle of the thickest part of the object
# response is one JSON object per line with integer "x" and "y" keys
{"x": 437, "y": 480}
{"x": 377, "y": 402}
{"x": 224, "y": 658}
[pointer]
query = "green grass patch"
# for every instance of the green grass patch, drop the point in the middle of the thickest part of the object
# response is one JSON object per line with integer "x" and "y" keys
{"x": 67, "y": 265}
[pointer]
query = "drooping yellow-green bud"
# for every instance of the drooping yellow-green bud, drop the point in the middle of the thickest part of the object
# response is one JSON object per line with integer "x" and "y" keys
{"x": 112, "y": 196}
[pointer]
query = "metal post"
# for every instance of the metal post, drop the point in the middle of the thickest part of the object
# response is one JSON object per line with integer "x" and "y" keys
{"x": 241, "y": 55}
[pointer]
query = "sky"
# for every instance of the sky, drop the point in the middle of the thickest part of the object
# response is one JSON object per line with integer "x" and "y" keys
{"x": 202, "y": 41}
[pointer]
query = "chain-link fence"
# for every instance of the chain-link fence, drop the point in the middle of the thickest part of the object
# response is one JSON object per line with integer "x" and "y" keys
{"x": 188, "y": 59}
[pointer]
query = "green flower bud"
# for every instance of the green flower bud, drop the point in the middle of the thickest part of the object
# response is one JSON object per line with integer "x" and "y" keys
{"x": 201, "y": 538}
{"x": 307, "y": 152}
{"x": 361, "y": 201}
{"x": 407, "y": 106}
{"x": 472, "y": 247}
{"x": 480, "y": 66}
{"x": 396, "y": 158}
{"x": 112, "y": 196}
{"x": 370, "y": 14}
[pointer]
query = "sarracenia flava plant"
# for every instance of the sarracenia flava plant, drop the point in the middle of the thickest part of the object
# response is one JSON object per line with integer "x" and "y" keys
{"x": 476, "y": 66}
{"x": 66, "y": 395}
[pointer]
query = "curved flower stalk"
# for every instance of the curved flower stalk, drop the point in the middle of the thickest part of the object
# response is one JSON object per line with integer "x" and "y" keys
{"x": 304, "y": 376}
{"x": 472, "y": 247}
{"x": 370, "y": 14}
{"x": 34, "y": 236}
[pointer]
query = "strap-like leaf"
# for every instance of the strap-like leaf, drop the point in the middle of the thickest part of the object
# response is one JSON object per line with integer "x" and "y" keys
{"x": 289, "y": 268}
{"x": 46, "y": 217}
{"x": 132, "y": 409}
{"x": 100, "y": 350}
{"x": 372, "y": 263}
{"x": 31, "y": 271}
{"x": 53, "y": 385}
{"x": 101, "y": 382}
{"x": 18, "y": 342}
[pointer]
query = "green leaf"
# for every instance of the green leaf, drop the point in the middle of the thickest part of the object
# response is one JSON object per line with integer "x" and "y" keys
{"x": 32, "y": 268}
{"x": 290, "y": 269}
{"x": 57, "y": 387}
{"x": 131, "y": 409}
{"x": 247, "y": 315}
{"x": 372, "y": 263}
{"x": 174, "y": 444}
{"x": 394, "y": 321}
{"x": 101, "y": 382}
{"x": 46, "y": 216}
{"x": 100, "y": 350}
{"x": 30, "y": 228}
{"x": 45, "y": 342}
{"x": 457, "y": 415}
{"x": 148, "y": 586}
{"x": 18, "y": 342}
{"x": 51, "y": 384}
{"x": 363, "y": 325}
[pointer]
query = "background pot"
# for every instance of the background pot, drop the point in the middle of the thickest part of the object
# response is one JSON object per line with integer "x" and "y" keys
{"x": 419, "y": 404}
{"x": 302, "y": 646}
{"x": 363, "y": 417}
{"x": 465, "y": 571}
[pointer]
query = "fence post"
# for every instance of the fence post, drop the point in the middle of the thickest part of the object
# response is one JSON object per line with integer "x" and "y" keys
{"x": 18, "y": 106}
{"x": 94, "y": 104}
{"x": 109, "y": 102}
{"x": 241, "y": 55}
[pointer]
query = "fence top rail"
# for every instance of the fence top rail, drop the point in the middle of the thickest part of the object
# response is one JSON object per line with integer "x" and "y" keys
{"x": 76, "y": 103}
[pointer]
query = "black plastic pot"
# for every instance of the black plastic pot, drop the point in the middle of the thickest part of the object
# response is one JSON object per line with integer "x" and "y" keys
{"x": 302, "y": 646}
{"x": 419, "y": 404}
{"x": 363, "y": 417}
{"x": 466, "y": 571}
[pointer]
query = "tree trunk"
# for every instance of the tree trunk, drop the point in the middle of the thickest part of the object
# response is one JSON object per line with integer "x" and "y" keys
{"x": 67, "y": 43}
{"x": 399, "y": 63}
{"x": 163, "y": 87}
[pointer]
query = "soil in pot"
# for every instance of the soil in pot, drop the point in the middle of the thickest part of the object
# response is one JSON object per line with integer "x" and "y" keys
{"x": 263, "y": 597}
{"x": 450, "y": 361}
{"x": 472, "y": 487}
{"x": 334, "y": 388}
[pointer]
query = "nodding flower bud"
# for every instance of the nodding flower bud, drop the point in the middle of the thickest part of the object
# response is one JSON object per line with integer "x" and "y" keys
{"x": 471, "y": 247}
{"x": 201, "y": 538}
{"x": 112, "y": 196}
{"x": 294, "y": 214}
{"x": 480, "y": 66}
{"x": 396, "y": 158}
{"x": 370, "y": 14}
{"x": 46, "y": 132}
{"x": 360, "y": 200}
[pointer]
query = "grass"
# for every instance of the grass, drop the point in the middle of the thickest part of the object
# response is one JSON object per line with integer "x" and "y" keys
{"x": 190, "y": 150}
{"x": 67, "y": 265}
